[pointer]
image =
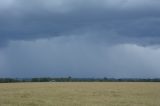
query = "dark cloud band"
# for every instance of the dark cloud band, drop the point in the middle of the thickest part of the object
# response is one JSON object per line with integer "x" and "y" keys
{"x": 131, "y": 20}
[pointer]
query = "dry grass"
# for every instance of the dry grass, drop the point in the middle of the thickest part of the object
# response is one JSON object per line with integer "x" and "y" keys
{"x": 80, "y": 94}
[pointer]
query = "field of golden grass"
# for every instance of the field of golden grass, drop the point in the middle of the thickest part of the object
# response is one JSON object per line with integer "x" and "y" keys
{"x": 80, "y": 94}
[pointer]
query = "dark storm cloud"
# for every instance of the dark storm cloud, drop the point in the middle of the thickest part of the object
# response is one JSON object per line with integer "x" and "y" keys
{"x": 80, "y": 38}
{"x": 130, "y": 21}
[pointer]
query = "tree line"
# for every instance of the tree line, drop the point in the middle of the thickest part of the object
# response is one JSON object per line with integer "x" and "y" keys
{"x": 70, "y": 79}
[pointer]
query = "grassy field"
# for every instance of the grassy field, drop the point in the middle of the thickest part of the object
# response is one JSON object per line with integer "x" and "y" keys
{"x": 80, "y": 94}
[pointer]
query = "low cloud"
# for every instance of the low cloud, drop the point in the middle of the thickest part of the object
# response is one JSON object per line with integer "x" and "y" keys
{"x": 75, "y": 56}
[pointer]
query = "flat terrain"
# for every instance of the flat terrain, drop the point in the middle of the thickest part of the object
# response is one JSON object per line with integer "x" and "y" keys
{"x": 80, "y": 94}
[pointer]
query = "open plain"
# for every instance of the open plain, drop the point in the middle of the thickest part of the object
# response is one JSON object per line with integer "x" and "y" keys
{"x": 80, "y": 94}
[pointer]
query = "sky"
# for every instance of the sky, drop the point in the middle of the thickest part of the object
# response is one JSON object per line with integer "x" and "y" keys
{"x": 80, "y": 38}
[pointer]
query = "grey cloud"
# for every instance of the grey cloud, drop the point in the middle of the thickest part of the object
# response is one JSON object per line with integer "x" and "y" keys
{"x": 131, "y": 20}
{"x": 81, "y": 38}
{"x": 78, "y": 57}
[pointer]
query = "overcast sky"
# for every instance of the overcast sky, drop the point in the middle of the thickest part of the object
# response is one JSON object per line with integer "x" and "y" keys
{"x": 80, "y": 38}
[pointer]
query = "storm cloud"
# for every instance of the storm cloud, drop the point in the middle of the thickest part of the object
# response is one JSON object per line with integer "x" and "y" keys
{"x": 129, "y": 19}
{"x": 82, "y": 38}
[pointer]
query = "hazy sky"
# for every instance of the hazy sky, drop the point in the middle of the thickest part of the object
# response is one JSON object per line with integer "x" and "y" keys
{"x": 80, "y": 38}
